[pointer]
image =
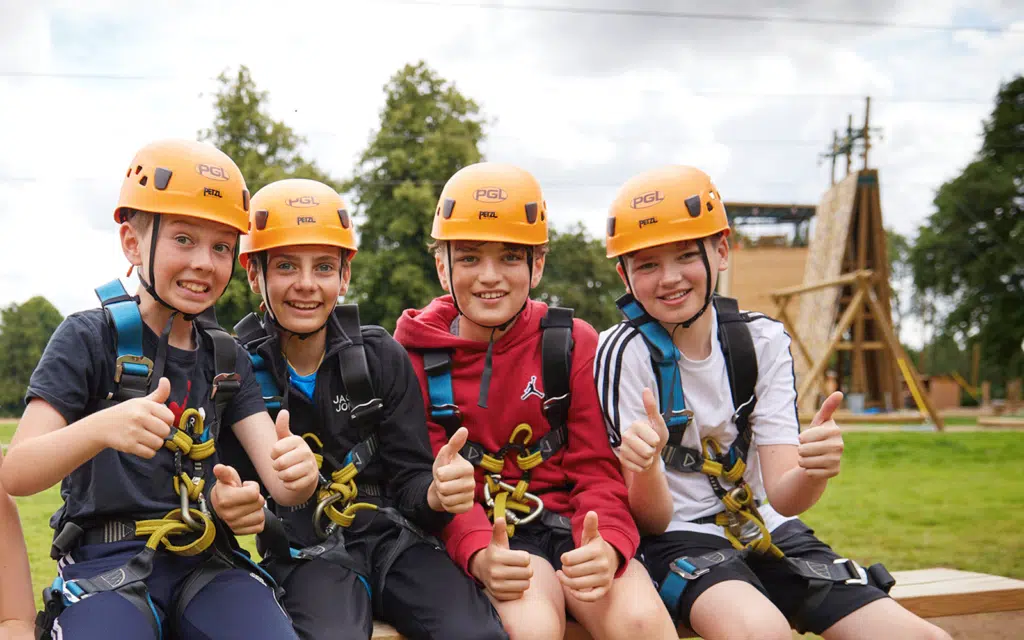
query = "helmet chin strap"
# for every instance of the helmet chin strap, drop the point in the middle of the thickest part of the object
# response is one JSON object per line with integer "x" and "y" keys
{"x": 485, "y": 378}
{"x": 685, "y": 324}
{"x": 150, "y": 287}
{"x": 262, "y": 263}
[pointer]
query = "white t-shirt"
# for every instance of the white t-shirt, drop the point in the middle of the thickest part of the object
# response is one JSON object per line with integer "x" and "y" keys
{"x": 623, "y": 368}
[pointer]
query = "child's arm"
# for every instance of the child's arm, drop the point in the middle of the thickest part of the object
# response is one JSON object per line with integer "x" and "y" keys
{"x": 650, "y": 501}
{"x": 589, "y": 462}
{"x": 795, "y": 466}
{"x": 795, "y": 477}
{"x": 17, "y": 608}
{"x": 284, "y": 462}
{"x": 626, "y": 399}
{"x": 405, "y": 447}
{"x": 45, "y": 448}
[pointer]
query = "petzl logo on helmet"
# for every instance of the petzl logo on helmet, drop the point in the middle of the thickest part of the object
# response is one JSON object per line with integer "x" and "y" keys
{"x": 212, "y": 171}
{"x": 647, "y": 221}
{"x": 305, "y": 220}
{"x": 488, "y": 214}
{"x": 645, "y": 200}
{"x": 490, "y": 194}
{"x": 302, "y": 202}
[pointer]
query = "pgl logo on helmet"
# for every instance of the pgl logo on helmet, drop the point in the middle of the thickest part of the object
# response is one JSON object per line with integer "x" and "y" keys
{"x": 648, "y": 199}
{"x": 212, "y": 171}
{"x": 302, "y": 202}
{"x": 490, "y": 194}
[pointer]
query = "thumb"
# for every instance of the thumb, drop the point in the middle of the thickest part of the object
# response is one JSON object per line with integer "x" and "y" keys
{"x": 654, "y": 413}
{"x": 499, "y": 537}
{"x": 162, "y": 391}
{"x": 590, "y": 532}
{"x": 454, "y": 446}
{"x": 828, "y": 408}
{"x": 227, "y": 475}
{"x": 282, "y": 425}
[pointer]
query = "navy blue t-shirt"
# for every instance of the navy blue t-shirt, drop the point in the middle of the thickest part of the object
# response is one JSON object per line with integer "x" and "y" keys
{"x": 77, "y": 371}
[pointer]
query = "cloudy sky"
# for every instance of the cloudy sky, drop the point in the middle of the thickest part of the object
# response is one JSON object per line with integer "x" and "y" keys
{"x": 583, "y": 94}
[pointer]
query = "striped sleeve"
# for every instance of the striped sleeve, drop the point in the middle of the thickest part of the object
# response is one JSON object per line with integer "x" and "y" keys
{"x": 618, "y": 377}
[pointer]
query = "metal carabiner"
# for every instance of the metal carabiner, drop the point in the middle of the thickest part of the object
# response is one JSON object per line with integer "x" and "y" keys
{"x": 324, "y": 532}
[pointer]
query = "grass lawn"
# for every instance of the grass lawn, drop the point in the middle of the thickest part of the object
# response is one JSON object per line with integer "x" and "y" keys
{"x": 911, "y": 500}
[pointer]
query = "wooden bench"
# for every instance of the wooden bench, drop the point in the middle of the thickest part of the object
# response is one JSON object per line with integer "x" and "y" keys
{"x": 965, "y": 604}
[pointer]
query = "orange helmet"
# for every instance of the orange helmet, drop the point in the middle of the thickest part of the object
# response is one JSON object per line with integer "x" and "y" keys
{"x": 293, "y": 212}
{"x": 185, "y": 178}
{"x": 491, "y": 202}
{"x": 664, "y": 205}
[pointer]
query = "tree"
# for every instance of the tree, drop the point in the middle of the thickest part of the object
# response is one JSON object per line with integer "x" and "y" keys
{"x": 578, "y": 275}
{"x": 900, "y": 275}
{"x": 266, "y": 150}
{"x": 428, "y": 131}
{"x": 970, "y": 252}
{"x": 24, "y": 331}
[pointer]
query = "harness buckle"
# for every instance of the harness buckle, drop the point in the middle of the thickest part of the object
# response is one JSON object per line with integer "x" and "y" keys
{"x": 684, "y": 574}
{"x": 129, "y": 359}
{"x": 232, "y": 380}
{"x": 367, "y": 408}
{"x": 854, "y": 569}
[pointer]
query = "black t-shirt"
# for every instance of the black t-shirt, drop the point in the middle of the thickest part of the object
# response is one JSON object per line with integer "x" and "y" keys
{"x": 76, "y": 373}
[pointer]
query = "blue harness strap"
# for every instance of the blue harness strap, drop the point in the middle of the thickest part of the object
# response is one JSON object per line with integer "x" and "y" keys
{"x": 268, "y": 385}
{"x": 133, "y": 369}
{"x": 665, "y": 357}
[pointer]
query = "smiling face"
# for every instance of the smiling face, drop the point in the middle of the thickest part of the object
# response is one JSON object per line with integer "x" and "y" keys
{"x": 303, "y": 284}
{"x": 193, "y": 261}
{"x": 490, "y": 280}
{"x": 670, "y": 280}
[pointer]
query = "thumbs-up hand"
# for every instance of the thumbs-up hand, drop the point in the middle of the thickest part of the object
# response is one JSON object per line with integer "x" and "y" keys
{"x": 141, "y": 424}
{"x": 294, "y": 461}
{"x": 821, "y": 444}
{"x": 239, "y": 504}
{"x": 587, "y": 571}
{"x": 643, "y": 441}
{"x": 454, "y": 484}
{"x": 504, "y": 573}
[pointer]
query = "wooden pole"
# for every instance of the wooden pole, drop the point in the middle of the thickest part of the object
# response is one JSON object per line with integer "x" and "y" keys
{"x": 863, "y": 209}
{"x": 913, "y": 380}
{"x": 819, "y": 367}
{"x": 866, "y": 130}
{"x": 849, "y": 143}
{"x": 975, "y": 364}
{"x": 847, "y": 278}
{"x": 797, "y": 340}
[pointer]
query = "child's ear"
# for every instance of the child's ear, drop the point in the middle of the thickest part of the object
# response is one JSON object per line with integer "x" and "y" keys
{"x": 346, "y": 273}
{"x": 131, "y": 244}
{"x": 622, "y": 275}
{"x": 441, "y": 264}
{"x": 253, "y": 274}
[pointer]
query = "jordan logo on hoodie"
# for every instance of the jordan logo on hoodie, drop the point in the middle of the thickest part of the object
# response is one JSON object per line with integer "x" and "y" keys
{"x": 531, "y": 389}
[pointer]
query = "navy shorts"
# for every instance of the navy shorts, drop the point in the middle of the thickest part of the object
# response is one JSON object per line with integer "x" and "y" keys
{"x": 785, "y": 590}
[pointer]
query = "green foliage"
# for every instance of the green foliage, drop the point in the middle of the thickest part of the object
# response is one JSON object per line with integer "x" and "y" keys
{"x": 428, "y": 131}
{"x": 266, "y": 150}
{"x": 24, "y": 331}
{"x": 578, "y": 275}
{"x": 969, "y": 255}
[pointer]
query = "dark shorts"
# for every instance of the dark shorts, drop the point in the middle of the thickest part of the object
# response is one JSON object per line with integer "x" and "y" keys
{"x": 544, "y": 542}
{"x": 785, "y": 590}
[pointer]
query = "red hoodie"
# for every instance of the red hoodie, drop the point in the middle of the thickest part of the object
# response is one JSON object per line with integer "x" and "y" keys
{"x": 586, "y": 464}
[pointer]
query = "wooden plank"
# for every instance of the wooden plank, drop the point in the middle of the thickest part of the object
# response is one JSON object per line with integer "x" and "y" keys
{"x": 805, "y": 394}
{"x": 870, "y": 345}
{"x": 1001, "y": 422}
{"x": 862, "y": 214}
{"x": 900, "y": 355}
{"x": 977, "y": 604}
{"x": 1002, "y": 625}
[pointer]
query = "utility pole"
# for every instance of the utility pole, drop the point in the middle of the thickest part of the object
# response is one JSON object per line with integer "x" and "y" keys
{"x": 855, "y": 140}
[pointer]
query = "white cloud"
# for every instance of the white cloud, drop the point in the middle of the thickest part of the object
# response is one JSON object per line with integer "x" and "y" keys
{"x": 583, "y": 101}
